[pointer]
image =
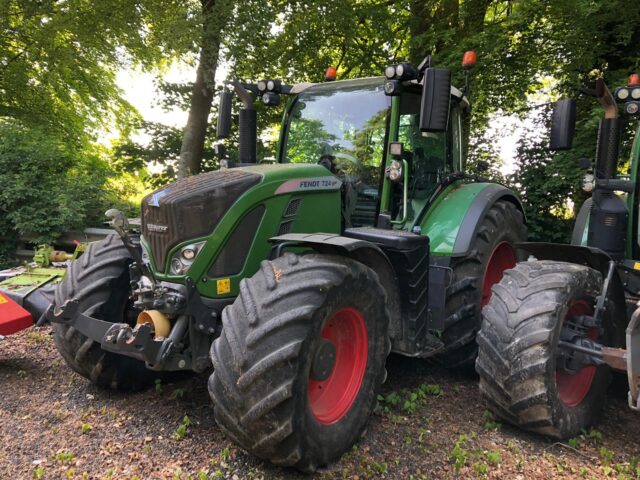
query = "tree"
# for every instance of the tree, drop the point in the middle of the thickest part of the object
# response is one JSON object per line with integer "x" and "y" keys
{"x": 215, "y": 15}
{"x": 58, "y": 58}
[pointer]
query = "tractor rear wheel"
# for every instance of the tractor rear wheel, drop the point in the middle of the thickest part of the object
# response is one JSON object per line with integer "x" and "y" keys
{"x": 522, "y": 376}
{"x": 301, "y": 355}
{"x": 99, "y": 280}
{"x": 473, "y": 276}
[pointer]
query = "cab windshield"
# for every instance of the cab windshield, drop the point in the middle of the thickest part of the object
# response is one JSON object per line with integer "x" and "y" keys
{"x": 343, "y": 122}
{"x": 342, "y": 126}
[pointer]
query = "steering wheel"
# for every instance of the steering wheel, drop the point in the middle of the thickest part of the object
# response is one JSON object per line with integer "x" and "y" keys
{"x": 346, "y": 156}
{"x": 329, "y": 160}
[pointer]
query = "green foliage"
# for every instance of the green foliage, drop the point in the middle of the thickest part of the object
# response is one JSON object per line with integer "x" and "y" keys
{"x": 593, "y": 435}
{"x": 48, "y": 187}
{"x": 459, "y": 454}
{"x": 63, "y": 457}
{"x": 545, "y": 183}
{"x": 58, "y": 59}
{"x": 38, "y": 473}
{"x": 182, "y": 430}
{"x": 606, "y": 455}
{"x": 178, "y": 393}
{"x": 58, "y": 64}
{"x": 490, "y": 423}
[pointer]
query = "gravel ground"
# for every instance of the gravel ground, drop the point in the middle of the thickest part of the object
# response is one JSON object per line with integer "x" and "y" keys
{"x": 430, "y": 423}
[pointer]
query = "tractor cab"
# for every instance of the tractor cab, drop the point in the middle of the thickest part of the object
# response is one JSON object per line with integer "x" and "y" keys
{"x": 347, "y": 127}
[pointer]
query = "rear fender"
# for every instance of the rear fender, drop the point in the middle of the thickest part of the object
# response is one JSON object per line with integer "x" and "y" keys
{"x": 453, "y": 221}
{"x": 581, "y": 227}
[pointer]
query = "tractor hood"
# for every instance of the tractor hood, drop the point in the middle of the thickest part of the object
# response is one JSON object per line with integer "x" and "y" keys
{"x": 190, "y": 208}
{"x": 193, "y": 208}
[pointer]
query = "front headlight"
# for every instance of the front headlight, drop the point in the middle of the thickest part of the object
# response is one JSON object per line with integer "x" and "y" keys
{"x": 184, "y": 258}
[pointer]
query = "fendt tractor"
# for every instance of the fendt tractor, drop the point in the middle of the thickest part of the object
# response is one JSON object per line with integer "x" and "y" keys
{"x": 295, "y": 280}
{"x": 554, "y": 329}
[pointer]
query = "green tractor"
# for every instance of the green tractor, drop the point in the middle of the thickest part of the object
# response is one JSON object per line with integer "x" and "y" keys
{"x": 296, "y": 280}
{"x": 554, "y": 327}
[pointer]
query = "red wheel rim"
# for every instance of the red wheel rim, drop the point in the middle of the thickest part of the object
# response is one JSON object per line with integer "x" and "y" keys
{"x": 331, "y": 399}
{"x": 572, "y": 389}
{"x": 502, "y": 258}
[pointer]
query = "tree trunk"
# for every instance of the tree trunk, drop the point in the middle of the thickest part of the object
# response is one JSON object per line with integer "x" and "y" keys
{"x": 195, "y": 131}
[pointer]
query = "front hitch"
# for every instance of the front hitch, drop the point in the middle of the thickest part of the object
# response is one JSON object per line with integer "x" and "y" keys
{"x": 137, "y": 342}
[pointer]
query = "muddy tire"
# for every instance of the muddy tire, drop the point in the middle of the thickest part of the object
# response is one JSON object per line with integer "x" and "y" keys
{"x": 277, "y": 388}
{"x": 470, "y": 287}
{"x": 518, "y": 344}
{"x": 99, "y": 280}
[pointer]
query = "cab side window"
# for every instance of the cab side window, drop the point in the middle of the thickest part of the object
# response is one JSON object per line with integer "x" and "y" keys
{"x": 433, "y": 155}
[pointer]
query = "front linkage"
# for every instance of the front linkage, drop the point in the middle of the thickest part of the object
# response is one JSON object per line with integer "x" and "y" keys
{"x": 151, "y": 338}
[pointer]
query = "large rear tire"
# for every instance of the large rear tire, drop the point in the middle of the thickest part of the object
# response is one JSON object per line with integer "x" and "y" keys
{"x": 473, "y": 275}
{"x": 301, "y": 355}
{"x": 99, "y": 281}
{"x": 518, "y": 347}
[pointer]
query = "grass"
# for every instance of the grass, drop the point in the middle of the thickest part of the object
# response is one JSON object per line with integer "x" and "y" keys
{"x": 64, "y": 457}
{"x": 490, "y": 423}
{"x": 182, "y": 430}
{"x": 407, "y": 400}
{"x": 459, "y": 454}
{"x": 178, "y": 393}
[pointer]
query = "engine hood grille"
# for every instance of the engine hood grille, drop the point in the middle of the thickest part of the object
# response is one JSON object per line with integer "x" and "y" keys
{"x": 190, "y": 208}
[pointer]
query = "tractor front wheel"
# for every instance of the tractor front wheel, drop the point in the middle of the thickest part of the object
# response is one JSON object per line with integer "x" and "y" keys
{"x": 301, "y": 355}
{"x": 525, "y": 377}
{"x": 99, "y": 281}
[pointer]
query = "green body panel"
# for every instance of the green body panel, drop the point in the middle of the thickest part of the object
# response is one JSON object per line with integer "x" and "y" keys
{"x": 632, "y": 235}
{"x": 319, "y": 211}
{"x": 442, "y": 221}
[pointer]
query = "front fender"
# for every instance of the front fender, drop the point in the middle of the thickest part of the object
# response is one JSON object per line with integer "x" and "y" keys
{"x": 360, "y": 250}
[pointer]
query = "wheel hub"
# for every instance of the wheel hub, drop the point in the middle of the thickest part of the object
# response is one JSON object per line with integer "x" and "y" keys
{"x": 323, "y": 360}
{"x": 574, "y": 381}
{"x": 338, "y": 366}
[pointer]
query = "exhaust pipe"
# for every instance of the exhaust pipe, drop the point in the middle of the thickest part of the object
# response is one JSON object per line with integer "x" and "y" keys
{"x": 608, "y": 134}
{"x": 248, "y": 125}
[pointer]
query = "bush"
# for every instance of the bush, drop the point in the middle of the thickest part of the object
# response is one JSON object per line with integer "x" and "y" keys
{"x": 48, "y": 185}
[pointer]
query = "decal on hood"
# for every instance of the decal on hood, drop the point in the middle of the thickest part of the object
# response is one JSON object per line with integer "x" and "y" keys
{"x": 309, "y": 184}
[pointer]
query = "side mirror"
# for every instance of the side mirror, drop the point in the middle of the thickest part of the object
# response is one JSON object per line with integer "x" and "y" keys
{"x": 563, "y": 124}
{"x": 224, "y": 115}
{"x": 436, "y": 100}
